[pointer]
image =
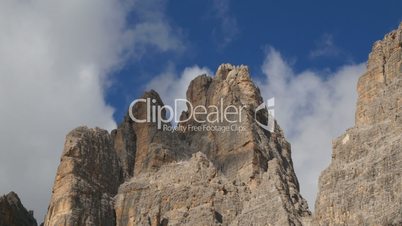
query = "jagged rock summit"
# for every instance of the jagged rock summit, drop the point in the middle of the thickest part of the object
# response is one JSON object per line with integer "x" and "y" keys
{"x": 363, "y": 184}
{"x": 142, "y": 175}
{"x": 13, "y": 213}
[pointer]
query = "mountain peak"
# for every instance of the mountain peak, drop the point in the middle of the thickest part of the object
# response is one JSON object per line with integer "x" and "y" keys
{"x": 222, "y": 168}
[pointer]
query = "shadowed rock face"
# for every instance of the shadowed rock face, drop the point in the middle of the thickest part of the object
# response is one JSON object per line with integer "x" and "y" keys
{"x": 13, "y": 213}
{"x": 363, "y": 184}
{"x": 154, "y": 146}
{"x": 181, "y": 178}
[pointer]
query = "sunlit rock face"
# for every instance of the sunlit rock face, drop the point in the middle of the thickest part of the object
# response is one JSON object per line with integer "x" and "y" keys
{"x": 379, "y": 89}
{"x": 232, "y": 178}
{"x": 87, "y": 179}
{"x": 142, "y": 175}
{"x": 363, "y": 184}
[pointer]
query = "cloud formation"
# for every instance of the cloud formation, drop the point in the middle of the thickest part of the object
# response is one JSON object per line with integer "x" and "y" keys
{"x": 56, "y": 60}
{"x": 150, "y": 28}
{"x": 313, "y": 108}
{"x": 228, "y": 29}
{"x": 325, "y": 47}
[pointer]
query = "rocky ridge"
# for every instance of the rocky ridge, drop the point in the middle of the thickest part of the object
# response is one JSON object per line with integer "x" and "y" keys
{"x": 13, "y": 213}
{"x": 142, "y": 175}
{"x": 232, "y": 178}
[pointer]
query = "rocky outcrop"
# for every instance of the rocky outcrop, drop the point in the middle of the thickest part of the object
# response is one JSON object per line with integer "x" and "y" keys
{"x": 178, "y": 194}
{"x": 228, "y": 170}
{"x": 363, "y": 184}
{"x": 233, "y": 178}
{"x": 87, "y": 180}
{"x": 125, "y": 145}
{"x": 154, "y": 146}
{"x": 379, "y": 88}
{"x": 197, "y": 175}
{"x": 94, "y": 163}
{"x": 13, "y": 213}
{"x": 195, "y": 192}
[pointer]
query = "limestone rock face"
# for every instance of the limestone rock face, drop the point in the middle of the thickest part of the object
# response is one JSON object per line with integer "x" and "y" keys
{"x": 87, "y": 180}
{"x": 195, "y": 192}
{"x": 233, "y": 178}
{"x": 179, "y": 193}
{"x": 125, "y": 145}
{"x": 238, "y": 176}
{"x": 379, "y": 88}
{"x": 13, "y": 213}
{"x": 154, "y": 146}
{"x": 363, "y": 184}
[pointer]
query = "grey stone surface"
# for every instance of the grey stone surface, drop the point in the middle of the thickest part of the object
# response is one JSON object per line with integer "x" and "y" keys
{"x": 233, "y": 178}
{"x": 363, "y": 184}
{"x": 87, "y": 180}
{"x": 185, "y": 177}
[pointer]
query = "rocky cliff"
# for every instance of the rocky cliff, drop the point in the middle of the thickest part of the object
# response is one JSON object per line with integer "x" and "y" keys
{"x": 363, "y": 184}
{"x": 87, "y": 180}
{"x": 13, "y": 213}
{"x": 232, "y": 178}
{"x": 142, "y": 175}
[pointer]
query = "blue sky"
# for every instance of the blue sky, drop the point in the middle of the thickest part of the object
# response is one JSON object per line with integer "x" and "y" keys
{"x": 344, "y": 30}
{"x": 68, "y": 63}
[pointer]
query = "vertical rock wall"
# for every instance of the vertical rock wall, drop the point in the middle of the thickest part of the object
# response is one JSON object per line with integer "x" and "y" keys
{"x": 363, "y": 184}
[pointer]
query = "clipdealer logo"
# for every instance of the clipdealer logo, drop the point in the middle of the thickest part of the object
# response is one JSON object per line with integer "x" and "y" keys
{"x": 212, "y": 115}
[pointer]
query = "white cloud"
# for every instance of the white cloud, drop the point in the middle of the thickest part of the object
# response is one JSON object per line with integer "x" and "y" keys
{"x": 228, "y": 29}
{"x": 151, "y": 28}
{"x": 171, "y": 86}
{"x": 325, "y": 47}
{"x": 313, "y": 108}
{"x": 55, "y": 60}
